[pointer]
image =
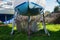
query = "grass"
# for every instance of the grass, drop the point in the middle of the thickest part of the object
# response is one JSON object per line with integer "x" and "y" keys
{"x": 54, "y": 30}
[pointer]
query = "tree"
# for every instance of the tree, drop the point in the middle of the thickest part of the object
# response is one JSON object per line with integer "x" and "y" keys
{"x": 47, "y": 13}
{"x": 56, "y": 9}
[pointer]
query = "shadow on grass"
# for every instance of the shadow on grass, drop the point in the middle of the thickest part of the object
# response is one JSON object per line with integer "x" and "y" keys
{"x": 42, "y": 36}
{"x": 5, "y": 35}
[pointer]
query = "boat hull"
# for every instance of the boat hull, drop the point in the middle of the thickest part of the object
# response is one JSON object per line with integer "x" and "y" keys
{"x": 28, "y": 9}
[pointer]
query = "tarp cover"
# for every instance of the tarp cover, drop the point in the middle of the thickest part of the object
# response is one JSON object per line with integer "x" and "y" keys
{"x": 29, "y": 7}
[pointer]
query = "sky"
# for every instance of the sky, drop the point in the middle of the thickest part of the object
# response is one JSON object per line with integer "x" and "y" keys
{"x": 50, "y": 4}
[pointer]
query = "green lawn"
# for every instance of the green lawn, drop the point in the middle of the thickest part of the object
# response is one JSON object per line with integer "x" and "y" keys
{"x": 54, "y": 30}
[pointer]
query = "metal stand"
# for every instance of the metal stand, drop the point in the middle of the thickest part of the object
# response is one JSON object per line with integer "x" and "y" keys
{"x": 13, "y": 23}
{"x": 29, "y": 27}
{"x": 6, "y": 20}
{"x": 44, "y": 26}
{"x": 9, "y": 21}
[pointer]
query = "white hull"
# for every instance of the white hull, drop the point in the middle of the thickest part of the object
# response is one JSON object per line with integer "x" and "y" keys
{"x": 6, "y": 11}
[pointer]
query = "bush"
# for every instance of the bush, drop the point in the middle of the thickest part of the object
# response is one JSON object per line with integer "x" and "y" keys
{"x": 1, "y": 22}
{"x": 54, "y": 18}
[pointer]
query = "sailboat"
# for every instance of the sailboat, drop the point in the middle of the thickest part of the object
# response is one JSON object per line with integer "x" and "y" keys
{"x": 29, "y": 8}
